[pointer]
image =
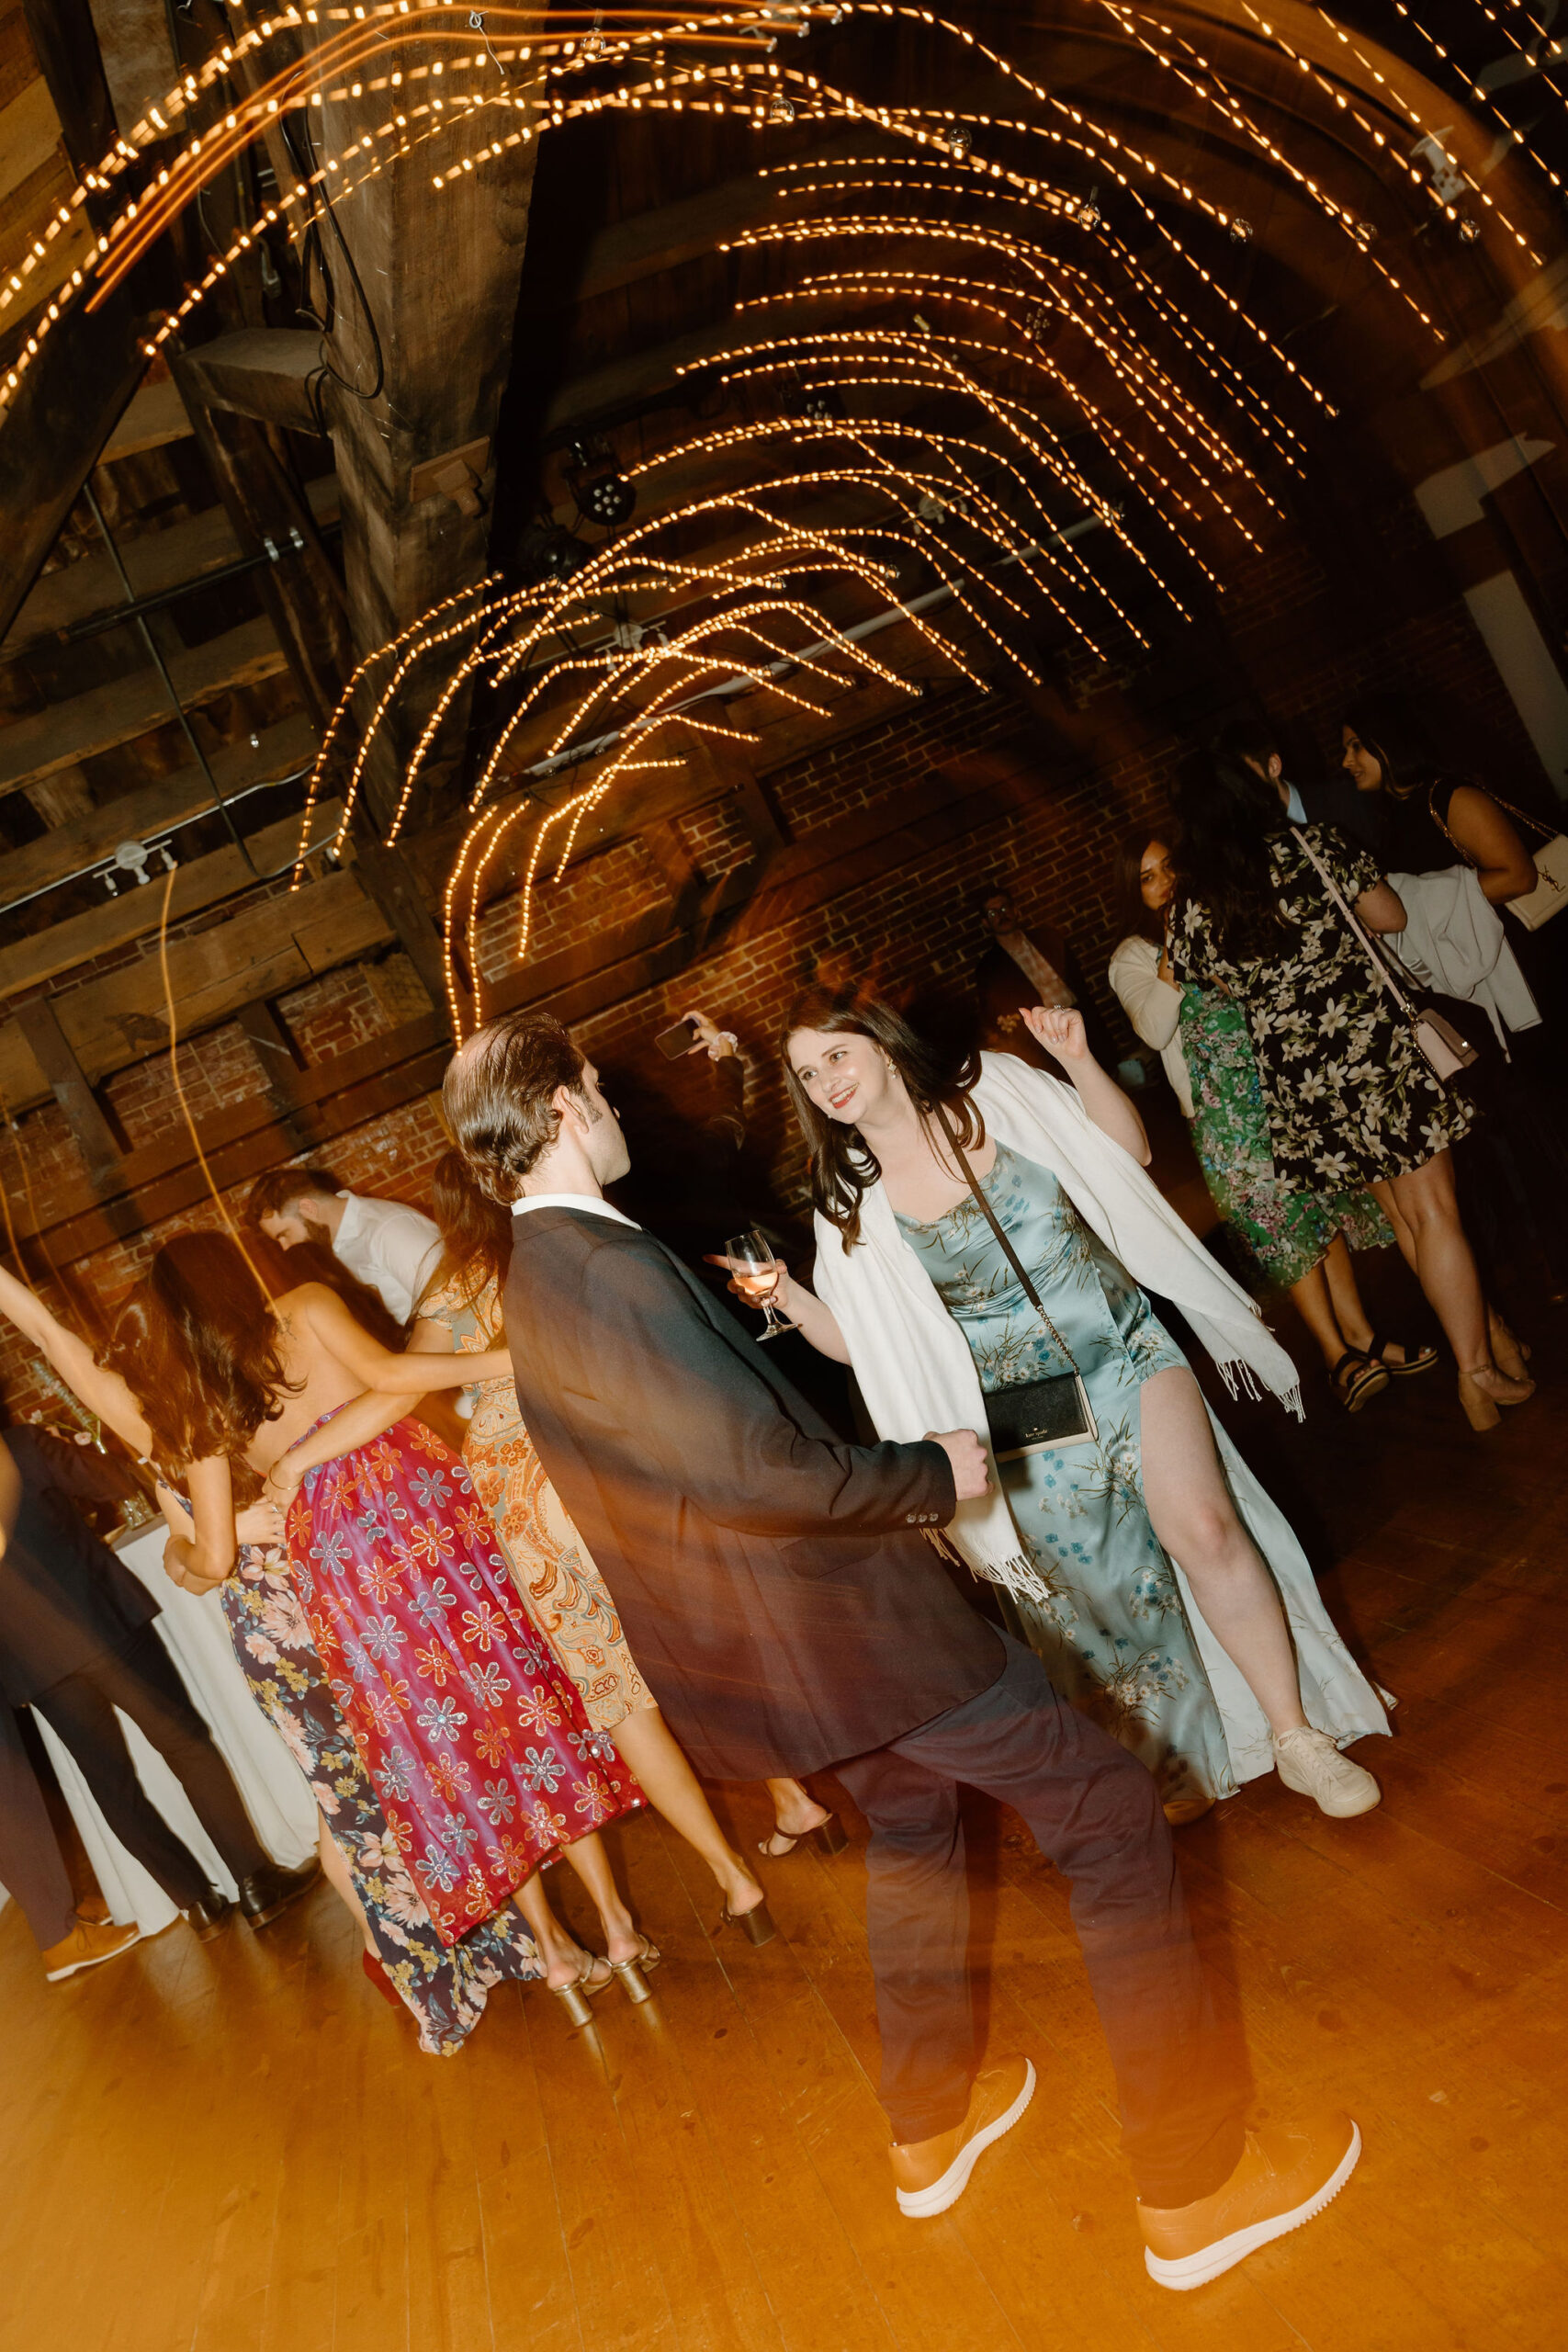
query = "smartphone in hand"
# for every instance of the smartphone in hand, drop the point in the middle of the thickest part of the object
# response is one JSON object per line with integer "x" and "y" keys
{"x": 674, "y": 1042}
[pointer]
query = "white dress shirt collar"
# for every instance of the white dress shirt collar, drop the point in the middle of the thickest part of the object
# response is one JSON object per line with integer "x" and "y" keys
{"x": 593, "y": 1202}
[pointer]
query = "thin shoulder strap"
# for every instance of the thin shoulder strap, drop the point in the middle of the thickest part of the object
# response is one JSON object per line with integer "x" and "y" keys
{"x": 1497, "y": 801}
{"x": 1381, "y": 972}
{"x": 983, "y": 1205}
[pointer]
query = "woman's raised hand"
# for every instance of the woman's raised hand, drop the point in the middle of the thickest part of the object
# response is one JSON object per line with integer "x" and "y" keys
{"x": 1060, "y": 1030}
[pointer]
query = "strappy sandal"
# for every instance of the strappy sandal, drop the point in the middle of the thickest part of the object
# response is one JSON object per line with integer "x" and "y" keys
{"x": 1369, "y": 1381}
{"x": 631, "y": 1974}
{"x": 1421, "y": 1358}
{"x": 827, "y": 1839}
{"x": 577, "y": 1994}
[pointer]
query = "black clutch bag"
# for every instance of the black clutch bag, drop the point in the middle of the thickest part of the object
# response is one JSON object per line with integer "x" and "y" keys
{"x": 1029, "y": 1416}
{"x": 1034, "y": 1415}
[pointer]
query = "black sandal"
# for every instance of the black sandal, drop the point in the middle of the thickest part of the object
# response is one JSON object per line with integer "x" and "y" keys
{"x": 1421, "y": 1360}
{"x": 1369, "y": 1381}
{"x": 828, "y": 1838}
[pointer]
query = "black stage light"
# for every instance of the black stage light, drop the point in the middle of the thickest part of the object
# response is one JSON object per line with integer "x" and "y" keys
{"x": 602, "y": 493}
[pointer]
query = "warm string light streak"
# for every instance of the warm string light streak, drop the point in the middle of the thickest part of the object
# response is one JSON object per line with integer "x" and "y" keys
{"x": 1398, "y": 101}
{"x": 1483, "y": 98}
{"x": 536, "y": 65}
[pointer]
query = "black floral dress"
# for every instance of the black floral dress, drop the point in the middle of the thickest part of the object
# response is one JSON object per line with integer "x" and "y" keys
{"x": 1349, "y": 1099}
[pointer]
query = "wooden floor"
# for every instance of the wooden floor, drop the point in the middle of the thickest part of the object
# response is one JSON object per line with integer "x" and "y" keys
{"x": 238, "y": 2147}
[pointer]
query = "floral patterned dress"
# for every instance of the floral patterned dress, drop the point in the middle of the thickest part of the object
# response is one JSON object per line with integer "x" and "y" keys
{"x": 1114, "y": 1636}
{"x": 556, "y": 1578}
{"x": 1349, "y": 1099}
{"x": 1279, "y": 1235}
{"x": 444, "y": 1985}
{"x": 478, "y": 1747}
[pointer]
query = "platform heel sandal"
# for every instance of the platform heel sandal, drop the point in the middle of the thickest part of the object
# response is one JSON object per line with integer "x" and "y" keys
{"x": 756, "y": 1925}
{"x": 632, "y": 1975}
{"x": 577, "y": 1997}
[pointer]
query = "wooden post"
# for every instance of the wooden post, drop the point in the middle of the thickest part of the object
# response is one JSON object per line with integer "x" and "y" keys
{"x": 100, "y": 1145}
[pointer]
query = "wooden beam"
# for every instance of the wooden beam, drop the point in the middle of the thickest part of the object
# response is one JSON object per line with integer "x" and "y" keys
{"x": 65, "y": 733}
{"x": 51, "y": 1050}
{"x": 150, "y": 811}
{"x": 54, "y": 433}
{"x": 388, "y": 880}
{"x": 155, "y": 562}
{"x": 155, "y": 417}
{"x": 65, "y": 43}
{"x": 273, "y": 946}
{"x": 302, "y": 594}
{"x": 259, "y": 372}
{"x": 138, "y": 909}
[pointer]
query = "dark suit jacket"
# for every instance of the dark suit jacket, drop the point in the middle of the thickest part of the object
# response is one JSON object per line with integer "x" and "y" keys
{"x": 65, "y": 1599}
{"x": 772, "y": 1583}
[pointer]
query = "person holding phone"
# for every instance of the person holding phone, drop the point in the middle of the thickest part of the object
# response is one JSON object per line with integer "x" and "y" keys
{"x": 966, "y": 1265}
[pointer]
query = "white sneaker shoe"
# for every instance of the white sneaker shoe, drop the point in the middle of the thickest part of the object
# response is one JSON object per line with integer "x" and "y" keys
{"x": 1308, "y": 1761}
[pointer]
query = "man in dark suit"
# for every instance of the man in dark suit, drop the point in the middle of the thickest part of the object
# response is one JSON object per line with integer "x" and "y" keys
{"x": 77, "y": 1640}
{"x": 779, "y": 1597}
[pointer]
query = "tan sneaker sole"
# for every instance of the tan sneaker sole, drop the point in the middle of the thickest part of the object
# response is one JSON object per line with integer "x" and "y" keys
{"x": 1188, "y": 2270}
{"x": 924, "y": 2204}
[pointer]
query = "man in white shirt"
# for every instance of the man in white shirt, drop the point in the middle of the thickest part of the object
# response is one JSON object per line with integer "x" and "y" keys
{"x": 385, "y": 1244}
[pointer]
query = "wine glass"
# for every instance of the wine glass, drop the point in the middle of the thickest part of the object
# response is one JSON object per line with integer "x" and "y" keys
{"x": 759, "y": 1272}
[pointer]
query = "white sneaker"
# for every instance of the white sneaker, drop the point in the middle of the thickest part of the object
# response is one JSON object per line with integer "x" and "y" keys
{"x": 1308, "y": 1761}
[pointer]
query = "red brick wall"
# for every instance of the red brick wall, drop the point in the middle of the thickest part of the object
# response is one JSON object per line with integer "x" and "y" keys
{"x": 1109, "y": 765}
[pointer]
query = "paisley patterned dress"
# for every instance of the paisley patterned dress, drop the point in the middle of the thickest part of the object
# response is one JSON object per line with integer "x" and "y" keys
{"x": 444, "y": 1985}
{"x": 555, "y": 1579}
{"x": 1115, "y": 1634}
{"x": 480, "y": 1751}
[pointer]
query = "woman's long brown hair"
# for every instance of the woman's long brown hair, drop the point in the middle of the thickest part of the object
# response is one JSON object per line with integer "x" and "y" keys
{"x": 196, "y": 1345}
{"x": 476, "y": 1232}
{"x": 843, "y": 1164}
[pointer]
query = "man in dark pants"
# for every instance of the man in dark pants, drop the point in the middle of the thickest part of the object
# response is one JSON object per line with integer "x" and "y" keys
{"x": 77, "y": 1640}
{"x": 787, "y": 1615}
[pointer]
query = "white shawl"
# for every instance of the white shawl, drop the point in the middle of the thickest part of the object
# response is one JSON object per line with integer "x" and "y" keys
{"x": 911, "y": 1360}
{"x": 915, "y": 1374}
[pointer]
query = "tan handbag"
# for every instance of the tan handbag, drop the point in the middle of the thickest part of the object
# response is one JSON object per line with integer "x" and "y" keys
{"x": 1550, "y": 893}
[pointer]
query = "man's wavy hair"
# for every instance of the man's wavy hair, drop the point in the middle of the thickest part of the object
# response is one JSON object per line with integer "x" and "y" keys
{"x": 196, "y": 1345}
{"x": 496, "y": 1096}
{"x": 843, "y": 1164}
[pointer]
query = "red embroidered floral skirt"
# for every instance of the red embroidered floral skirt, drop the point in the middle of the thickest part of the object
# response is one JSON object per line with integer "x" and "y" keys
{"x": 471, "y": 1728}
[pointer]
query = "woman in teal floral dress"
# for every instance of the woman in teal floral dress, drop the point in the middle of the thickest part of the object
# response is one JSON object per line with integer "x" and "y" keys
{"x": 1212, "y": 1676}
{"x": 1280, "y": 1239}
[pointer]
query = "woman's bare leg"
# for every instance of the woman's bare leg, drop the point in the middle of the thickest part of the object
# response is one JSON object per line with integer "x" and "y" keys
{"x": 336, "y": 1871}
{"x": 795, "y": 1814}
{"x": 651, "y": 1750}
{"x": 1191, "y": 1513}
{"x": 563, "y": 1956}
{"x": 1314, "y": 1305}
{"x": 1344, "y": 1296}
{"x": 1425, "y": 1199}
{"x": 587, "y": 1856}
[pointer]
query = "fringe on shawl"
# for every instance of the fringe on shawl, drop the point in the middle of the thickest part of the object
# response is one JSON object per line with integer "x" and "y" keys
{"x": 1238, "y": 1375}
{"x": 1017, "y": 1574}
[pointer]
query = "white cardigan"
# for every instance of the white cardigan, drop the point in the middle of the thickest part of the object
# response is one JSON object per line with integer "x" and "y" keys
{"x": 1153, "y": 1008}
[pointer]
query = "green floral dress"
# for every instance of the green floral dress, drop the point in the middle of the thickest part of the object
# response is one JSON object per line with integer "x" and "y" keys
{"x": 1280, "y": 1235}
{"x": 1348, "y": 1097}
{"x": 1114, "y": 1635}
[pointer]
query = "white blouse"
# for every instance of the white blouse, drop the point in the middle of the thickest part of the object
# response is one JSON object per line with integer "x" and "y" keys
{"x": 1153, "y": 1008}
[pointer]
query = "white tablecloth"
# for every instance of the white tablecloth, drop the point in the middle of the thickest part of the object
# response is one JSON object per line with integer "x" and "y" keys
{"x": 195, "y": 1634}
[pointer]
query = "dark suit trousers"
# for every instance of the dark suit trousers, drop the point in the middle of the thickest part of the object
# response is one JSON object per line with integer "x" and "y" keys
{"x": 143, "y": 1682}
{"x": 1095, "y": 1813}
{"x": 31, "y": 1867}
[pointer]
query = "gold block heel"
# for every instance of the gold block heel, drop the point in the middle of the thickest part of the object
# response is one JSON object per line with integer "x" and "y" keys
{"x": 579, "y": 2008}
{"x": 829, "y": 1838}
{"x": 633, "y": 1983}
